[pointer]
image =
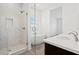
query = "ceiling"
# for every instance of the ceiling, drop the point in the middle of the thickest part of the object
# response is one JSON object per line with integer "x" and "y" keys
{"x": 45, "y": 6}
{"x": 39, "y": 6}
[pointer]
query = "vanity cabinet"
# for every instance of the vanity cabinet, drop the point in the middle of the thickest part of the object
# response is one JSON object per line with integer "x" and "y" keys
{"x": 53, "y": 50}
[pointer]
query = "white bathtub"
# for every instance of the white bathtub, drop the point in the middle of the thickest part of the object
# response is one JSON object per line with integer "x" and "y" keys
{"x": 38, "y": 39}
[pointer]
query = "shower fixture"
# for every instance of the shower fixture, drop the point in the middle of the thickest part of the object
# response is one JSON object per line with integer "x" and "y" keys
{"x": 21, "y": 7}
{"x": 75, "y": 35}
{"x": 21, "y": 11}
{"x": 26, "y": 13}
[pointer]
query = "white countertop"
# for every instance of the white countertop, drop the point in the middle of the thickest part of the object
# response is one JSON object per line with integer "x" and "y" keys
{"x": 64, "y": 43}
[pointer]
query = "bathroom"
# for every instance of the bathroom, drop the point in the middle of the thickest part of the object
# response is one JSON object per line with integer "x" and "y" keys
{"x": 26, "y": 27}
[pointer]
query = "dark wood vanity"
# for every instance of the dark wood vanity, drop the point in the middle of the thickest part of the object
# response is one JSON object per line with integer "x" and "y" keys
{"x": 53, "y": 50}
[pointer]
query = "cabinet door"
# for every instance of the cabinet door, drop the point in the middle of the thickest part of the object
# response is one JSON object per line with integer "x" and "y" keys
{"x": 53, "y": 50}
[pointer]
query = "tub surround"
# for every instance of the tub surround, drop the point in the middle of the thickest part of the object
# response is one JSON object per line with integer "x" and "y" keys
{"x": 63, "y": 42}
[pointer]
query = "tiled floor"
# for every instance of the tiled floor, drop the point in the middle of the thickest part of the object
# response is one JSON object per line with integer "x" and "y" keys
{"x": 36, "y": 50}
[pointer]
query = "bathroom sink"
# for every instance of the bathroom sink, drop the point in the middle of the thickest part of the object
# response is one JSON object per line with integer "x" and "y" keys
{"x": 63, "y": 38}
{"x": 65, "y": 42}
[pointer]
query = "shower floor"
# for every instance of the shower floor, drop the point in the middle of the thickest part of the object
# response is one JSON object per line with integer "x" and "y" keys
{"x": 36, "y": 50}
{"x": 20, "y": 48}
{"x": 3, "y": 52}
{"x": 17, "y": 49}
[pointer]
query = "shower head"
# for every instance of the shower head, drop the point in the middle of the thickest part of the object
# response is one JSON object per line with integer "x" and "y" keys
{"x": 21, "y": 11}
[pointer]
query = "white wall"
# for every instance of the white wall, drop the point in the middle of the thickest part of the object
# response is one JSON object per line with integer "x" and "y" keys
{"x": 45, "y": 23}
{"x": 70, "y": 18}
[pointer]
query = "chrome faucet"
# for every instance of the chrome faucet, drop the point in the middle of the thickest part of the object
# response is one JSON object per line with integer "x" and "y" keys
{"x": 75, "y": 35}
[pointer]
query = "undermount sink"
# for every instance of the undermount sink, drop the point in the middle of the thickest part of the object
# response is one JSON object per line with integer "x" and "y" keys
{"x": 63, "y": 38}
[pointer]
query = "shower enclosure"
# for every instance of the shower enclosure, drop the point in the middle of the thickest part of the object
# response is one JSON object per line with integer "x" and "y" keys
{"x": 13, "y": 28}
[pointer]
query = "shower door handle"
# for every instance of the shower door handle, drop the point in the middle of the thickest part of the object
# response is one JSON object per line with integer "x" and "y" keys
{"x": 34, "y": 29}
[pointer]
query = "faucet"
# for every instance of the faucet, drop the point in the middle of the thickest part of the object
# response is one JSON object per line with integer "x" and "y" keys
{"x": 75, "y": 35}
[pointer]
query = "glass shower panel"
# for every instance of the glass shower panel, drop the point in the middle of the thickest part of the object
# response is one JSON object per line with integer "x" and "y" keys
{"x": 17, "y": 29}
{"x": 39, "y": 45}
{"x": 3, "y": 36}
{"x": 32, "y": 28}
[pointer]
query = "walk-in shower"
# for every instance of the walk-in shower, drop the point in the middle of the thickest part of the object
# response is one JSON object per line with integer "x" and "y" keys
{"x": 13, "y": 28}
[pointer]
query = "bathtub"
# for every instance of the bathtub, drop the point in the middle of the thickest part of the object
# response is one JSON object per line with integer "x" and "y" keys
{"x": 38, "y": 39}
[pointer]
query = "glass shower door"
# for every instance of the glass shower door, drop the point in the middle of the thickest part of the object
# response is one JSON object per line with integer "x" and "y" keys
{"x": 17, "y": 30}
